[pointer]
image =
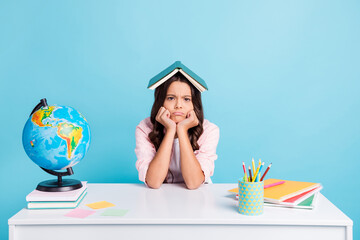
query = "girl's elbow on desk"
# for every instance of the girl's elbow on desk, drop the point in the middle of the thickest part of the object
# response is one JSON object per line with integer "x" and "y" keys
{"x": 153, "y": 185}
{"x": 192, "y": 186}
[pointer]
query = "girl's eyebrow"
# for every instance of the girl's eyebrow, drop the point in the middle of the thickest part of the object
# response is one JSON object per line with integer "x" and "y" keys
{"x": 173, "y": 95}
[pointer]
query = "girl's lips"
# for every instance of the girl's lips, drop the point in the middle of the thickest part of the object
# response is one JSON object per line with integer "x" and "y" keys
{"x": 178, "y": 113}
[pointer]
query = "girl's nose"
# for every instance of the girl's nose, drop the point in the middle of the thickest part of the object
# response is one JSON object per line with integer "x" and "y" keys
{"x": 178, "y": 104}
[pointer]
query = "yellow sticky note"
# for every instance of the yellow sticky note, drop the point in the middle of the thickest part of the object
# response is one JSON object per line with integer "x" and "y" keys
{"x": 234, "y": 190}
{"x": 99, "y": 205}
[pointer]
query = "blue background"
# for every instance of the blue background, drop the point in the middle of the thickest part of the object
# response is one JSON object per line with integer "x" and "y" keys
{"x": 283, "y": 81}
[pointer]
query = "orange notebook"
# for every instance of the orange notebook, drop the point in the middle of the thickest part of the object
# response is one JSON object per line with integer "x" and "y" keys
{"x": 286, "y": 190}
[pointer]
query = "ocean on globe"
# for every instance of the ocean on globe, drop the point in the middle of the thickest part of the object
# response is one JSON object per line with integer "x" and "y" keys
{"x": 56, "y": 137}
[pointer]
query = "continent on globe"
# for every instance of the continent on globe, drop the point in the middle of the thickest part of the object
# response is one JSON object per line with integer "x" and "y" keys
{"x": 42, "y": 114}
{"x": 71, "y": 134}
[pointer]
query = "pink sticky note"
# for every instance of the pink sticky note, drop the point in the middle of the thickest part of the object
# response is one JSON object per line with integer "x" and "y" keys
{"x": 79, "y": 213}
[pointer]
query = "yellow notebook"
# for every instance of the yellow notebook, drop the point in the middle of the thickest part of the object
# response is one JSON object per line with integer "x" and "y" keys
{"x": 286, "y": 190}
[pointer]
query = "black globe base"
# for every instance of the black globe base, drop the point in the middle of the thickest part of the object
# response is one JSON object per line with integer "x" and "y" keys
{"x": 59, "y": 185}
{"x": 56, "y": 186}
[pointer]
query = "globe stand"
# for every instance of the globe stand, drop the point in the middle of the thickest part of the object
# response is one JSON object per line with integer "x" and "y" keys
{"x": 59, "y": 185}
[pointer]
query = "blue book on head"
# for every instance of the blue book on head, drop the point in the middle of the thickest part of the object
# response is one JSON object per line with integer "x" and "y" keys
{"x": 170, "y": 71}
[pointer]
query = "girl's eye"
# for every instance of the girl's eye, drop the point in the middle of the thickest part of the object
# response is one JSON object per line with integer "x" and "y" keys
{"x": 187, "y": 99}
{"x": 170, "y": 98}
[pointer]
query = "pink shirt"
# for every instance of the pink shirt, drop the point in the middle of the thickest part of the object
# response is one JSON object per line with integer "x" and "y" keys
{"x": 206, "y": 155}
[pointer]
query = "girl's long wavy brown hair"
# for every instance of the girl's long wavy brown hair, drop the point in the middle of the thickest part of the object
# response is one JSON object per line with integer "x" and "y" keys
{"x": 157, "y": 134}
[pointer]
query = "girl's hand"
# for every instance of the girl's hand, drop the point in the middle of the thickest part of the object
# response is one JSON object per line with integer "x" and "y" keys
{"x": 190, "y": 121}
{"x": 163, "y": 117}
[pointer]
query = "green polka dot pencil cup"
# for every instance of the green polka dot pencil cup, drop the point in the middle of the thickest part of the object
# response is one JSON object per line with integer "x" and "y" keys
{"x": 251, "y": 198}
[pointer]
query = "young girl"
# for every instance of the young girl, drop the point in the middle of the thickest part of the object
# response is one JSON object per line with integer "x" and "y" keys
{"x": 176, "y": 144}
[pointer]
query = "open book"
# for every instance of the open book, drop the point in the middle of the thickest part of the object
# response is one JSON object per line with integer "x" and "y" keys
{"x": 170, "y": 71}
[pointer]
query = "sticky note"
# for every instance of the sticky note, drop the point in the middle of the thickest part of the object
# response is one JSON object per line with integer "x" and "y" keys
{"x": 79, "y": 213}
{"x": 114, "y": 212}
{"x": 99, "y": 205}
{"x": 234, "y": 190}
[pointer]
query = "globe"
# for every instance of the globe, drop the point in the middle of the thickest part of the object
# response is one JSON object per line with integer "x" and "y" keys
{"x": 56, "y": 137}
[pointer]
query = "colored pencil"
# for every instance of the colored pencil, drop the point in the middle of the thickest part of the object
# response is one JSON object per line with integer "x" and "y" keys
{"x": 258, "y": 175}
{"x": 257, "y": 171}
{"x": 244, "y": 170}
{"x": 267, "y": 169}
{"x": 274, "y": 184}
{"x": 253, "y": 165}
{"x": 250, "y": 174}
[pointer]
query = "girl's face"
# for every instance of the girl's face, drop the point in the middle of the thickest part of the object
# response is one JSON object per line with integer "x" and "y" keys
{"x": 178, "y": 101}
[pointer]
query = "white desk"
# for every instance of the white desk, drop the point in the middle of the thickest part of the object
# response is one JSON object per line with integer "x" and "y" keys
{"x": 173, "y": 212}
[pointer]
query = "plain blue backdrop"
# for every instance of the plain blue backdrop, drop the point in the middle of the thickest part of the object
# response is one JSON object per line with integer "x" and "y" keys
{"x": 283, "y": 81}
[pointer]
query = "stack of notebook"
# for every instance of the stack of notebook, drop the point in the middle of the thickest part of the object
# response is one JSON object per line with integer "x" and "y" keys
{"x": 292, "y": 194}
{"x": 56, "y": 200}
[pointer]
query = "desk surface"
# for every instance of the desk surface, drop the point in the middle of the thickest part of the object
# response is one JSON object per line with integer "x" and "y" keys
{"x": 174, "y": 204}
